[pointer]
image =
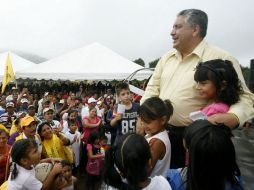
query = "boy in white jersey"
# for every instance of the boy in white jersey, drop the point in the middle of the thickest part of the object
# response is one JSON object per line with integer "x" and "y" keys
{"x": 74, "y": 136}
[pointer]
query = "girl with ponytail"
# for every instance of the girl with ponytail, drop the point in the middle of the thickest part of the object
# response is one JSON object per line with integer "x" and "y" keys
{"x": 25, "y": 156}
{"x": 127, "y": 166}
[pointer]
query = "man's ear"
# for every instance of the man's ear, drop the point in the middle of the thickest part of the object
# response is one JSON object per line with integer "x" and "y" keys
{"x": 196, "y": 30}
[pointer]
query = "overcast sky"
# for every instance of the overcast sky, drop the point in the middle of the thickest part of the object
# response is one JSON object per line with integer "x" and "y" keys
{"x": 44, "y": 29}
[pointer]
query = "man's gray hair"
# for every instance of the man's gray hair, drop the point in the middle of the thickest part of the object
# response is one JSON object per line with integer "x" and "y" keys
{"x": 196, "y": 17}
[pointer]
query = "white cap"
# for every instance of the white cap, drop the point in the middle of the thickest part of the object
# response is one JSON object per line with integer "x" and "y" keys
{"x": 9, "y": 98}
{"x": 47, "y": 109}
{"x": 91, "y": 100}
{"x": 9, "y": 104}
{"x": 24, "y": 100}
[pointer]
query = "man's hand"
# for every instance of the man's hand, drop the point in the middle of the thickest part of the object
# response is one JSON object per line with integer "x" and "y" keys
{"x": 228, "y": 119}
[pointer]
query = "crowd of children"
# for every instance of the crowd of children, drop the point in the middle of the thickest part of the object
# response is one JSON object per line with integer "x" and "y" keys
{"x": 115, "y": 142}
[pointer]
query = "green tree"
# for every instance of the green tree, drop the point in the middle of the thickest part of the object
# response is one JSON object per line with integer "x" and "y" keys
{"x": 153, "y": 63}
{"x": 246, "y": 74}
{"x": 140, "y": 62}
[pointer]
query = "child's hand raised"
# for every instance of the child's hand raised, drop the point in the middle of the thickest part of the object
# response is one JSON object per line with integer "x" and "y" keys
{"x": 56, "y": 131}
{"x": 72, "y": 105}
{"x": 57, "y": 168}
{"x": 118, "y": 116}
{"x": 74, "y": 139}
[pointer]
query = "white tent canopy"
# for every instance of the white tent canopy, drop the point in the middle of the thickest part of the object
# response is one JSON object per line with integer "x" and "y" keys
{"x": 92, "y": 62}
{"x": 17, "y": 62}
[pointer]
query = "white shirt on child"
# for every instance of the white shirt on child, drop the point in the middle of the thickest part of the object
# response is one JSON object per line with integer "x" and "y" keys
{"x": 161, "y": 167}
{"x": 157, "y": 182}
{"x": 65, "y": 127}
{"x": 25, "y": 180}
{"x": 70, "y": 187}
{"x": 75, "y": 146}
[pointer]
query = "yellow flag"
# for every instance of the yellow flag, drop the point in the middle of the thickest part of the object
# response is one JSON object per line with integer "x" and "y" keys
{"x": 8, "y": 73}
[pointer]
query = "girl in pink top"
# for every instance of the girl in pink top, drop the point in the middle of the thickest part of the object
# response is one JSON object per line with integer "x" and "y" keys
{"x": 218, "y": 83}
{"x": 95, "y": 161}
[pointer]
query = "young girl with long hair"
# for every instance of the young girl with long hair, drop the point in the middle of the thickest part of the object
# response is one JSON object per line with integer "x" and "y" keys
{"x": 154, "y": 115}
{"x": 212, "y": 160}
{"x": 25, "y": 156}
{"x": 218, "y": 84}
{"x": 128, "y": 163}
{"x": 95, "y": 163}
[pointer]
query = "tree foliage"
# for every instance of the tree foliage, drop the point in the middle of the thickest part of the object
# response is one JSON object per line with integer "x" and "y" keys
{"x": 140, "y": 62}
{"x": 153, "y": 63}
{"x": 246, "y": 74}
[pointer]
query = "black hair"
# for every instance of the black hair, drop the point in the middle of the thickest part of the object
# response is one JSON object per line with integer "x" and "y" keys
{"x": 103, "y": 137}
{"x": 71, "y": 111}
{"x": 127, "y": 160}
{"x": 192, "y": 129}
{"x": 65, "y": 163}
{"x": 212, "y": 157}
{"x": 92, "y": 108}
{"x": 40, "y": 126}
{"x": 71, "y": 122}
{"x": 155, "y": 108}
{"x": 196, "y": 17}
{"x": 122, "y": 86}
{"x": 223, "y": 76}
{"x": 94, "y": 135}
{"x": 46, "y": 102}
{"x": 20, "y": 150}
